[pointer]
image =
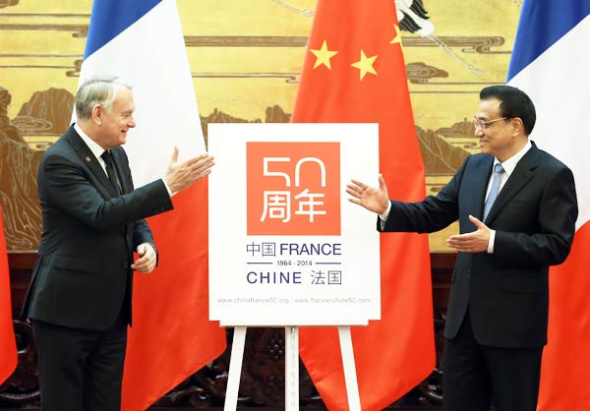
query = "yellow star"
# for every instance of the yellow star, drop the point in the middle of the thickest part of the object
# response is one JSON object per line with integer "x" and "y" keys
{"x": 398, "y": 38}
{"x": 365, "y": 64}
{"x": 323, "y": 56}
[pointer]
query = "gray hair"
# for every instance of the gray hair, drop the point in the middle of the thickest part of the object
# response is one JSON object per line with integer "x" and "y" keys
{"x": 97, "y": 90}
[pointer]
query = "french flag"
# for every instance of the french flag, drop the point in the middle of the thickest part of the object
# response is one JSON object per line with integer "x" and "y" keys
{"x": 551, "y": 63}
{"x": 141, "y": 41}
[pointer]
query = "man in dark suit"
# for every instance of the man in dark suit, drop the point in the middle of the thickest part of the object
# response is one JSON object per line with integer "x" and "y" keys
{"x": 93, "y": 220}
{"x": 517, "y": 208}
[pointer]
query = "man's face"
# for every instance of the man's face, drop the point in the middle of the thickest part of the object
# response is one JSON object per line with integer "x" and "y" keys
{"x": 119, "y": 120}
{"x": 497, "y": 138}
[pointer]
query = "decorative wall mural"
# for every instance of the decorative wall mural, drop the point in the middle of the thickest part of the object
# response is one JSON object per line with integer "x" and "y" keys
{"x": 18, "y": 184}
{"x": 8, "y": 3}
{"x": 246, "y": 59}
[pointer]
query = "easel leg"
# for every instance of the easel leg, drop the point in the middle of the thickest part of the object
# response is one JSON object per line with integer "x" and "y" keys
{"x": 235, "y": 369}
{"x": 291, "y": 368}
{"x": 352, "y": 388}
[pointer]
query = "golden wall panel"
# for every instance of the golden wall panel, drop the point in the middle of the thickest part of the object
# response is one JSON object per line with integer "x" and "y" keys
{"x": 246, "y": 56}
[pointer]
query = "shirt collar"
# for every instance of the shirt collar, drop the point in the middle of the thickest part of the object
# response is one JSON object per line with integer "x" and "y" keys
{"x": 92, "y": 145}
{"x": 510, "y": 164}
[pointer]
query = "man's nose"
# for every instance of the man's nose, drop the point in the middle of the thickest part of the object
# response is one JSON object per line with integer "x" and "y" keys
{"x": 132, "y": 122}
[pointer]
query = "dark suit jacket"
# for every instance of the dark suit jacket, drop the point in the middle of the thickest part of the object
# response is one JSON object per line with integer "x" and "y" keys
{"x": 82, "y": 278}
{"x": 534, "y": 217}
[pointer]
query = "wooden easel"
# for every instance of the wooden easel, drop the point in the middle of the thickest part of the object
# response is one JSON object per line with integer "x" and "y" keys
{"x": 291, "y": 368}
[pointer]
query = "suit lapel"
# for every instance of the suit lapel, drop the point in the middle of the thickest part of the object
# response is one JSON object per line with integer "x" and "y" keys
{"x": 522, "y": 173}
{"x": 89, "y": 160}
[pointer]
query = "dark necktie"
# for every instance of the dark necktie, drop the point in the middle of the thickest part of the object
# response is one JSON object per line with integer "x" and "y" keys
{"x": 111, "y": 172}
{"x": 498, "y": 171}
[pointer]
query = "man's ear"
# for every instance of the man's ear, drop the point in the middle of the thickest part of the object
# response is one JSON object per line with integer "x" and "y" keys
{"x": 97, "y": 114}
{"x": 518, "y": 126}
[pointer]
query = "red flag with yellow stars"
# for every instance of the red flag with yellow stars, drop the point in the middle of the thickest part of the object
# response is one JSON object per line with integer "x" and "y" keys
{"x": 8, "y": 356}
{"x": 354, "y": 72}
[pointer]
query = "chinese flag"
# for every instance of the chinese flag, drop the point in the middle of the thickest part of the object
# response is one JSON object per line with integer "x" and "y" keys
{"x": 354, "y": 72}
{"x": 8, "y": 357}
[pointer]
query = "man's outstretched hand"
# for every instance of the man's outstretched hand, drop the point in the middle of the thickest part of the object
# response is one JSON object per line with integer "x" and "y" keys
{"x": 372, "y": 198}
{"x": 181, "y": 175}
{"x": 475, "y": 242}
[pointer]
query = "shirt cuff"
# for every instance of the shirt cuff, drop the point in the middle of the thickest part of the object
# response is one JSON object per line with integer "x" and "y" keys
{"x": 383, "y": 217}
{"x": 491, "y": 242}
{"x": 167, "y": 188}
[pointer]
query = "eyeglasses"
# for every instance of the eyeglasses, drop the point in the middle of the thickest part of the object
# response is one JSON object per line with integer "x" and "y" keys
{"x": 478, "y": 123}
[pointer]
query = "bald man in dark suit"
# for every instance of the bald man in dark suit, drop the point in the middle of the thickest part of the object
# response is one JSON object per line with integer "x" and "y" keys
{"x": 517, "y": 209}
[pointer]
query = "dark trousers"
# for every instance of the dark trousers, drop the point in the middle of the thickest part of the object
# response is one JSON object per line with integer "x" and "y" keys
{"x": 80, "y": 370}
{"x": 474, "y": 374}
